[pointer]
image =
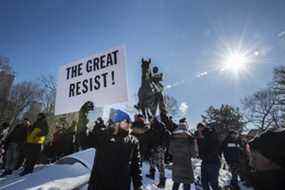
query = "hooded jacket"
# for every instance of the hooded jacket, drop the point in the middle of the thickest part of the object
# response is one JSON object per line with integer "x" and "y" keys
{"x": 38, "y": 132}
{"x": 209, "y": 147}
{"x": 117, "y": 161}
{"x": 157, "y": 135}
{"x": 18, "y": 134}
{"x": 182, "y": 149}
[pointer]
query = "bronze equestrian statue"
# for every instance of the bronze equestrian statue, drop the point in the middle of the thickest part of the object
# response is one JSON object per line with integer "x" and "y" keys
{"x": 151, "y": 91}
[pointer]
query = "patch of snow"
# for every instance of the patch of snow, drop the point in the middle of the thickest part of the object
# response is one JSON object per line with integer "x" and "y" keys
{"x": 61, "y": 176}
{"x": 72, "y": 175}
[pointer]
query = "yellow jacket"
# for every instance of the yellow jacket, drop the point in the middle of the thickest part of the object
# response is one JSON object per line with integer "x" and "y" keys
{"x": 33, "y": 137}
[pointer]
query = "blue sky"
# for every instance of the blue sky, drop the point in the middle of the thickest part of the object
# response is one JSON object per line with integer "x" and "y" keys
{"x": 183, "y": 38}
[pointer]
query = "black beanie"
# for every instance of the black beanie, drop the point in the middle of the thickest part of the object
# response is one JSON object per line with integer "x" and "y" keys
{"x": 183, "y": 120}
{"x": 271, "y": 145}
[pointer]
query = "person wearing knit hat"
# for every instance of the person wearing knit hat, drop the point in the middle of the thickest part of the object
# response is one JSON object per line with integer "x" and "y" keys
{"x": 182, "y": 126}
{"x": 158, "y": 139}
{"x": 182, "y": 148}
{"x": 268, "y": 160}
{"x": 209, "y": 152}
{"x": 183, "y": 120}
{"x": 117, "y": 160}
{"x": 138, "y": 130}
{"x": 120, "y": 116}
{"x": 139, "y": 121}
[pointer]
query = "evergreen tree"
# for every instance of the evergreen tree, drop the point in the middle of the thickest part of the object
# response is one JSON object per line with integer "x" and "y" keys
{"x": 224, "y": 119}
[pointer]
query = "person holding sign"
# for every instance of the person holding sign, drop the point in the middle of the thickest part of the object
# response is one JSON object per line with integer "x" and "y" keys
{"x": 117, "y": 160}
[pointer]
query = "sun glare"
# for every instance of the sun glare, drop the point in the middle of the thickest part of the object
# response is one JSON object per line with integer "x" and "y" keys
{"x": 235, "y": 62}
{"x": 236, "y": 59}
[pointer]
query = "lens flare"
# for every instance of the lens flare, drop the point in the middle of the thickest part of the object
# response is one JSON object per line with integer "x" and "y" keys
{"x": 235, "y": 62}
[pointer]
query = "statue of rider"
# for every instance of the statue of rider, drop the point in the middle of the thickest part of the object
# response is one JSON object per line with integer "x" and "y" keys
{"x": 151, "y": 91}
{"x": 158, "y": 87}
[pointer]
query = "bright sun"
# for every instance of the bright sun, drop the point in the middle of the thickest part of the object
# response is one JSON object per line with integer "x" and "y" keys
{"x": 235, "y": 62}
{"x": 236, "y": 59}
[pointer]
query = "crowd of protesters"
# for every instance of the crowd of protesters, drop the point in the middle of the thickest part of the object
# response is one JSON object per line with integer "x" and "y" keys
{"x": 119, "y": 159}
{"x": 23, "y": 145}
{"x": 122, "y": 146}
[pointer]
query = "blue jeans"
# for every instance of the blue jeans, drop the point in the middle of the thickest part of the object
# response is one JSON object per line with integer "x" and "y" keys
{"x": 210, "y": 175}
{"x": 185, "y": 186}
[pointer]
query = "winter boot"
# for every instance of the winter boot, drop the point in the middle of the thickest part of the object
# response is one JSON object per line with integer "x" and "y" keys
{"x": 25, "y": 172}
{"x": 161, "y": 183}
{"x": 151, "y": 174}
{"x": 6, "y": 172}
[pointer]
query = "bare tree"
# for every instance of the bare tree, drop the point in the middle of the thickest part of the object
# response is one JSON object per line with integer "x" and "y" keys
{"x": 5, "y": 66}
{"x": 32, "y": 112}
{"x": 279, "y": 87}
{"x": 262, "y": 108}
{"x": 279, "y": 83}
{"x": 48, "y": 84}
{"x": 48, "y": 98}
{"x": 6, "y": 81}
{"x": 171, "y": 105}
{"x": 22, "y": 96}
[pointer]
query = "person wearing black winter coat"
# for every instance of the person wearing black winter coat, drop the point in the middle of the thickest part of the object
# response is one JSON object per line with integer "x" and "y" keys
{"x": 209, "y": 152}
{"x": 157, "y": 135}
{"x": 182, "y": 148}
{"x": 157, "y": 138}
{"x": 138, "y": 130}
{"x": 14, "y": 141}
{"x": 18, "y": 134}
{"x": 36, "y": 137}
{"x": 117, "y": 160}
{"x": 231, "y": 148}
{"x": 99, "y": 125}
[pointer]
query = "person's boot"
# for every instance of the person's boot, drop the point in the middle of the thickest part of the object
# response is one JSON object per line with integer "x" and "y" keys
{"x": 161, "y": 183}
{"x": 25, "y": 172}
{"x": 6, "y": 172}
{"x": 151, "y": 174}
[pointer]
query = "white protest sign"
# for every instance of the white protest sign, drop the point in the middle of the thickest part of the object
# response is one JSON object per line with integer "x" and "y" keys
{"x": 100, "y": 78}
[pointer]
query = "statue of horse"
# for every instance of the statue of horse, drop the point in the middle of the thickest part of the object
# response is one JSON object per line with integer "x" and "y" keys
{"x": 148, "y": 93}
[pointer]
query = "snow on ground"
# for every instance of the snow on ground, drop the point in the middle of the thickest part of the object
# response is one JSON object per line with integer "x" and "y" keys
{"x": 38, "y": 181}
{"x": 75, "y": 172}
{"x": 69, "y": 173}
{"x": 149, "y": 184}
{"x": 224, "y": 178}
